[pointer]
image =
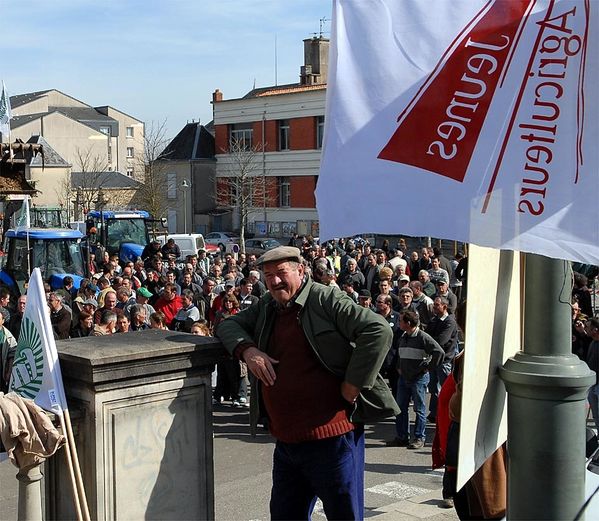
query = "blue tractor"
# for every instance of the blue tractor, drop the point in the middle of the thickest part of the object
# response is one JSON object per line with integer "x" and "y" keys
{"x": 121, "y": 232}
{"x": 57, "y": 252}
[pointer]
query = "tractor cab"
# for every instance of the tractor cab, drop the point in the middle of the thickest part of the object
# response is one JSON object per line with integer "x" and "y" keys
{"x": 57, "y": 252}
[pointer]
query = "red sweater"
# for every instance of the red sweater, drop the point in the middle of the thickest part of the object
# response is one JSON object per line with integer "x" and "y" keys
{"x": 169, "y": 308}
{"x": 305, "y": 402}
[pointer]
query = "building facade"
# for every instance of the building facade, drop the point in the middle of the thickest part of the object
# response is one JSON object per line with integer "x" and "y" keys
{"x": 109, "y": 138}
{"x": 189, "y": 166}
{"x": 281, "y": 130}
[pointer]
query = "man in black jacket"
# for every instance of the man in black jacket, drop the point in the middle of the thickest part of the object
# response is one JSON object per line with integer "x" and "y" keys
{"x": 444, "y": 329}
{"x": 418, "y": 354}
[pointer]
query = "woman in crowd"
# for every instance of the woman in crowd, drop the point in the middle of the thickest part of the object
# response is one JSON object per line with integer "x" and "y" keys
{"x": 158, "y": 320}
{"x": 85, "y": 325}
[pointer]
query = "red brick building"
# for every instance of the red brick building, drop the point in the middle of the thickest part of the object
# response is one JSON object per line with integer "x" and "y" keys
{"x": 281, "y": 129}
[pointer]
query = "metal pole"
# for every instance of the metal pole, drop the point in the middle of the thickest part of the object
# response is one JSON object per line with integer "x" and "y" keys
{"x": 547, "y": 388}
{"x": 184, "y": 210}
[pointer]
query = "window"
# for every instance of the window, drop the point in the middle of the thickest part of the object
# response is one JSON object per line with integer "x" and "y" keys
{"x": 319, "y": 131}
{"x": 171, "y": 182}
{"x": 129, "y": 152}
{"x": 109, "y": 153}
{"x": 284, "y": 192}
{"x": 105, "y": 130}
{"x": 129, "y": 131}
{"x": 129, "y": 171}
{"x": 240, "y": 136}
{"x": 283, "y": 134}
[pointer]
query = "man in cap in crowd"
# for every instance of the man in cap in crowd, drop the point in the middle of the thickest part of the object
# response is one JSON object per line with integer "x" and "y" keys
{"x": 444, "y": 291}
{"x": 365, "y": 299}
{"x": 142, "y": 297}
{"x": 309, "y": 416}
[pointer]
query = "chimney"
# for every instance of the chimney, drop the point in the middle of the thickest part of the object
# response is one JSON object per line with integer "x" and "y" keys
{"x": 316, "y": 61}
{"x": 217, "y": 96}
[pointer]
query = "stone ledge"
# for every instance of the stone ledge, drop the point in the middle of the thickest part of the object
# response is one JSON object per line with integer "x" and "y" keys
{"x": 137, "y": 357}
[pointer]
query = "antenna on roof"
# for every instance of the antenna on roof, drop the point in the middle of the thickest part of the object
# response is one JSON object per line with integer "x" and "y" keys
{"x": 276, "y": 64}
{"x": 322, "y": 21}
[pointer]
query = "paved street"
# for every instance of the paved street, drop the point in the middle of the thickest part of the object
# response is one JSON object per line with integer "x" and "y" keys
{"x": 399, "y": 482}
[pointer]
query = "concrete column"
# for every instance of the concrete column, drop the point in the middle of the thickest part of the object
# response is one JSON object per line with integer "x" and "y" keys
{"x": 142, "y": 414}
{"x": 547, "y": 387}
{"x": 30, "y": 494}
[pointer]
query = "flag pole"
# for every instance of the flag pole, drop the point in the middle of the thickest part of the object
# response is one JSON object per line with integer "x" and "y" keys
{"x": 76, "y": 500}
{"x": 77, "y": 468}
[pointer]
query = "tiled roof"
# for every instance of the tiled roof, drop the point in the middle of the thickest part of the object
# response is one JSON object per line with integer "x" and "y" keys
{"x": 102, "y": 180}
{"x": 83, "y": 114}
{"x": 51, "y": 157}
{"x": 21, "y": 99}
{"x": 193, "y": 142}
{"x": 17, "y": 121}
{"x": 290, "y": 88}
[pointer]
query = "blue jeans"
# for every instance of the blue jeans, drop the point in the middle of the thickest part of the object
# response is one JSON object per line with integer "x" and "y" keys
{"x": 438, "y": 377}
{"x": 415, "y": 390}
{"x": 331, "y": 469}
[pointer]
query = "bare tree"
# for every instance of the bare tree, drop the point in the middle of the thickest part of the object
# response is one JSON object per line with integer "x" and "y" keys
{"x": 152, "y": 195}
{"x": 94, "y": 174}
{"x": 93, "y": 180}
{"x": 244, "y": 187}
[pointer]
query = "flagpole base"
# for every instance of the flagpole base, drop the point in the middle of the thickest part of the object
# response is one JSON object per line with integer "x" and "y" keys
{"x": 546, "y": 435}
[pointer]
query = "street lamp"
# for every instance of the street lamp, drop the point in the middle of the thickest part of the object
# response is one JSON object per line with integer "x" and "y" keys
{"x": 184, "y": 186}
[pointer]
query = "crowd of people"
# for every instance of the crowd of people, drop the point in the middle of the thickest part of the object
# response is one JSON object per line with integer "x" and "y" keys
{"x": 420, "y": 294}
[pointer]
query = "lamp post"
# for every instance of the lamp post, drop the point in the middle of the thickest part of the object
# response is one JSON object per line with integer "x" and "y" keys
{"x": 184, "y": 186}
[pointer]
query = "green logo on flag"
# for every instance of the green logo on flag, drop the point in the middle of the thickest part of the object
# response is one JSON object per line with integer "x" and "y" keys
{"x": 28, "y": 366}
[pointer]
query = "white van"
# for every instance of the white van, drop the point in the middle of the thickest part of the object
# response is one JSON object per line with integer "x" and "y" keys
{"x": 189, "y": 243}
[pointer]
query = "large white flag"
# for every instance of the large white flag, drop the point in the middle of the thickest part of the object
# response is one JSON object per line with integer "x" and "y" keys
{"x": 472, "y": 120}
{"x": 5, "y": 113}
{"x": 36, "y": 371}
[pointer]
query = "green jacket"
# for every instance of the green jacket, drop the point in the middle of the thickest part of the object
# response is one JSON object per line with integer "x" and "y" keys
{"x": 349, "y": 340}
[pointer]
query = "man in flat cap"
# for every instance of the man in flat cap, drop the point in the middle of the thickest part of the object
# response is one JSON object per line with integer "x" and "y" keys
{"x": 316, "y": 356}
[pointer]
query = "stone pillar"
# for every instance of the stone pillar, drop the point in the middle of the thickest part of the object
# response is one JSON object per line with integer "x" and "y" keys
{"x": 142, "y": 416}
{"x": 30, "y": 494}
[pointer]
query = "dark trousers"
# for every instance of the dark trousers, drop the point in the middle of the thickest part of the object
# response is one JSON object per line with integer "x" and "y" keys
{"x": 330, "y": 469}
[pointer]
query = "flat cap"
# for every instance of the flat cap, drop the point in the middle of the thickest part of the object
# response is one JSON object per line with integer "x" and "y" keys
{"x": 279, "y": 254}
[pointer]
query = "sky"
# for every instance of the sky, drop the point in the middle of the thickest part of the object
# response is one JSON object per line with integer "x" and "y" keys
{"x": 157, "y": 60}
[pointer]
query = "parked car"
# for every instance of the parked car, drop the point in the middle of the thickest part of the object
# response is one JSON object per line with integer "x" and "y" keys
{"x": 221, "y": 239}
{"x": 259, "y": 245}
{"x": 189, "y": 243}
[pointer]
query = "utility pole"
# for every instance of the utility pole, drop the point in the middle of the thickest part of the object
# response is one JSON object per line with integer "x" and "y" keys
{"x": 547, "y": 387}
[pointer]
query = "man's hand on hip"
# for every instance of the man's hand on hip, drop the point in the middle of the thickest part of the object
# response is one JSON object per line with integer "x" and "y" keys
{"x": 349, "y": 392}
{"x": 261, "y": 365}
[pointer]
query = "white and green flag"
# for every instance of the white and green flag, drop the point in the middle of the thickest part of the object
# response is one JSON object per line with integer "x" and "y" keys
{"x": 36, "y": 371}
{"x": 5, "y": 114}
